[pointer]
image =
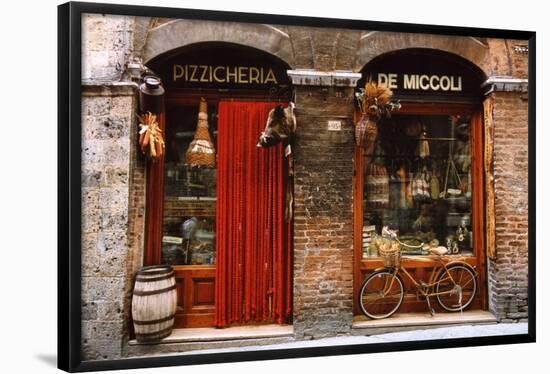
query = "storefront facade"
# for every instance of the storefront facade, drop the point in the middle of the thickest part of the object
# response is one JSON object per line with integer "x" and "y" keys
{"x": 323, "y": 252}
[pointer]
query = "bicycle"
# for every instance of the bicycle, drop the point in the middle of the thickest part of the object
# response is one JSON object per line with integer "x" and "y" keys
{"x": 453, "y": 283}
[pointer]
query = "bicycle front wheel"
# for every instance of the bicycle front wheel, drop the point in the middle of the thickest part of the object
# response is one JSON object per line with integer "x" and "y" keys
{"x": 381, "y": 294}
{"x": 456, "y": 288}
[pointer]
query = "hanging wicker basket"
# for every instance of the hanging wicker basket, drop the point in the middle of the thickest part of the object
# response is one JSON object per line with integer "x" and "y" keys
{"x": 377, "y": 185}
{"x": 374, "y": 102}
{"x": 201, "y": 151}
{"x": 360, "y": 129}
{"x": 366, "y": 131}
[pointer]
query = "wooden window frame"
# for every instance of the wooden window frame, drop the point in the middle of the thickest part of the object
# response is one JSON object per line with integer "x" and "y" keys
{"x": 478, "y": 258}
{"x": 153, "y": 240}
{"x": 189, "y": 313}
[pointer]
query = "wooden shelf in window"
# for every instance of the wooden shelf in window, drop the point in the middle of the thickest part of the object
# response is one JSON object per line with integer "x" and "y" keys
{"x": 194, "y": 267}
{"x": 191, "y": 198}
{"x": 419, "y": 262}
{"x": 176, "y": 207}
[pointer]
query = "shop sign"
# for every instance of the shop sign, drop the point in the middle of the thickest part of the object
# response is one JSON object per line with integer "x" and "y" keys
{"x": 421, "y": 82}
{"x": 221, "y": 66}
{"x": 223, "y": 74}
{"x": 334, "y": 125}
{"x": 423, "y": 73}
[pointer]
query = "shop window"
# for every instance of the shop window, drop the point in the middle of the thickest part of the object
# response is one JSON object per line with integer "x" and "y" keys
{"x": 418, "y": 180}
{"x": 189, "y": 218}
{"x": 222, "y": 229}
{"x": 423, "y": 177}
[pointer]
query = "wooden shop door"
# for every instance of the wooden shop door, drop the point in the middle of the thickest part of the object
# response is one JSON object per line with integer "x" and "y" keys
{"x": 195, "y": 287}
{"x": 253, "y": 274}
{"x": 223, "y": 228}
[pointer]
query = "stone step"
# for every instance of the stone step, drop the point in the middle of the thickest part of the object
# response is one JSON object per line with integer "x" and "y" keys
{"x": 413, "y": 321}
{"x": 210, "y": 334}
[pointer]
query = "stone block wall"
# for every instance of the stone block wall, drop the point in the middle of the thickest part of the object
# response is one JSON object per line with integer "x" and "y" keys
{"x": 508, "y": 273}
{"x": 323, "y": 221}
{"x": 112, "y": 185}
{"x": 106, "y": 123}
{"x": 107, "y": 44}
{"x": 136, "y": 221}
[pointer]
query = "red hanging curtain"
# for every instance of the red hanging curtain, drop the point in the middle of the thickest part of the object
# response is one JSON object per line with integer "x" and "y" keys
{"x": 253, "y": 245}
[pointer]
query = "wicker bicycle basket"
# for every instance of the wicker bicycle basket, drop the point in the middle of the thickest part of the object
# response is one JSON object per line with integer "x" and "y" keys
{"x": 390, "y": 253}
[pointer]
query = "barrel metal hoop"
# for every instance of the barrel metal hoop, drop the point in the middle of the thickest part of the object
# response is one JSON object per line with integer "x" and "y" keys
{"x": 165, "y": 319}
{"x": 159, "y": 334}
{"x": 154, "y": 292}
{"x": 162, "y": 269}
{"x": 140, "y": 278}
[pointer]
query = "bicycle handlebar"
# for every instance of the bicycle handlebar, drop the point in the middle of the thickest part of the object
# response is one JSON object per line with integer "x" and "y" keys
{"x": 409, "y": 245}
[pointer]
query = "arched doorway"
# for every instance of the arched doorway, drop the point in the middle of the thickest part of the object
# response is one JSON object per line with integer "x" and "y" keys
{"x": 222, "y": 226}
{"x": 429, "y": 160}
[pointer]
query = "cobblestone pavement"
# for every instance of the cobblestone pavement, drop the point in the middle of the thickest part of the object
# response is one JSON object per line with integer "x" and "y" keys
{"x": 429, "y": 334}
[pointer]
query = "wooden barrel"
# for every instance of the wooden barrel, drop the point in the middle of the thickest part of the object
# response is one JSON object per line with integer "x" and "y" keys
{"x": 154, "y": 303}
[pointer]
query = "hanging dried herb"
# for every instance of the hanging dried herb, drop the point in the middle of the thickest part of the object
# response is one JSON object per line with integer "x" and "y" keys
{"x": 375, "y": 103}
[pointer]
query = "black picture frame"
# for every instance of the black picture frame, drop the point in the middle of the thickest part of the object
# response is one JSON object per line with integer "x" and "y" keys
{"x": 69, "y": 182}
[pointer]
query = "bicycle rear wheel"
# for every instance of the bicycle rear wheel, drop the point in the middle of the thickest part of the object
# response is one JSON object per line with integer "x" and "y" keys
{"x": 456, "y": 293}
{"x": 381, "y": 294}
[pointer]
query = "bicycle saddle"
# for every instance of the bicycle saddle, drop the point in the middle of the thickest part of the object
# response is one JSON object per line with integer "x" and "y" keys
{"x": 440, "y": 251}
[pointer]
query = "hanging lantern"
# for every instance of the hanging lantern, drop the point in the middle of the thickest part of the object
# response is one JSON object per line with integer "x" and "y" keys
{"x": 201, "y": 151}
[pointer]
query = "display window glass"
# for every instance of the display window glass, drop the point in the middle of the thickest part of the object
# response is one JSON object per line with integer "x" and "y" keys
{"x": 418, "y": 181}
{"x": 189, "y": 218}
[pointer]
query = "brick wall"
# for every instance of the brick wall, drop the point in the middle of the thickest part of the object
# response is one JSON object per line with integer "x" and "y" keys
{"x": 323, "y": 224}
{"x": 504, "y": 60}
{"x": 508, "y": 273}
{"x": 518, "y": 61}
{"x": 136, "y": 221}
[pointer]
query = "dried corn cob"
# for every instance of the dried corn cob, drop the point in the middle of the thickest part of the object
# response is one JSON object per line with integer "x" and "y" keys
{"x": 150, "y": 136}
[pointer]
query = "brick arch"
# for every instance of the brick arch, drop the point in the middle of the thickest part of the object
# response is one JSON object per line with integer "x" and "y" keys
{"x": 373, "y": 44}
{"x": 181, "y": 33}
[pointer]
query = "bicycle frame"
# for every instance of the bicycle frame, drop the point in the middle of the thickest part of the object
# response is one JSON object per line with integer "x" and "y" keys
{"x": 427, "y": 290}
{"x": 441, "y": 266}
{"x": 424, "y": 288}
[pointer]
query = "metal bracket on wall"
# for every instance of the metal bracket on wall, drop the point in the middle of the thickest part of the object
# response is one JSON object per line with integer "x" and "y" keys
{"x": 313, "y": 77}
{"x": 504, "y": 84}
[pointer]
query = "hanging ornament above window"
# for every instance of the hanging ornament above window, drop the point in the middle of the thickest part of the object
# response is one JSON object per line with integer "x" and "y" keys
{"x": 423, "y": 148}
{"x": 280, "y": 127}
{"x": 201, "y": 151}
{"x": 150, "y": 136}
{"x": 374, "y": 102}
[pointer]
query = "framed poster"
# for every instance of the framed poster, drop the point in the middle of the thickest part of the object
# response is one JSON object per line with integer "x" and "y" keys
{"x": 249, "y": 187}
